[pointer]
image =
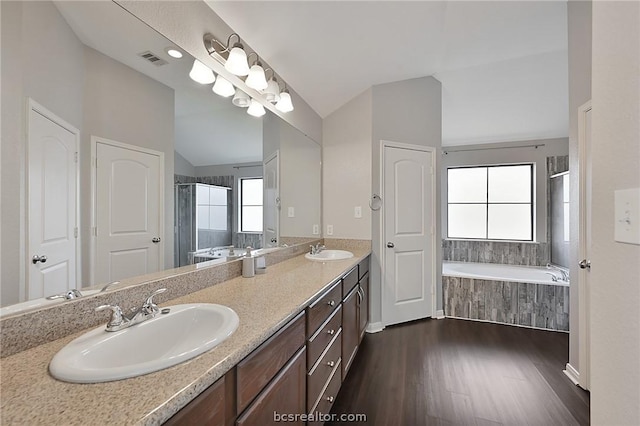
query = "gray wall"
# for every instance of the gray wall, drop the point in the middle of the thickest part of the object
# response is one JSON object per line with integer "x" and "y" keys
{"x": 182, "y": 166}
{"x": 614, "y": 290}
{"x": 133, "y": 109}
{"x": 579, "y": 28}
{"x": 26, "y": 28}
{"x": 408, "y": 111}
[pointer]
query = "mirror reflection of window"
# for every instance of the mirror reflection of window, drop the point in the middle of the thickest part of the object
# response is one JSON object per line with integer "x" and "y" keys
{"x": 251, "y": 205}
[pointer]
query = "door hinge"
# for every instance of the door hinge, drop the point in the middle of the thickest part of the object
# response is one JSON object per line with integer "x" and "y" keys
{"x": 75, "y": 232}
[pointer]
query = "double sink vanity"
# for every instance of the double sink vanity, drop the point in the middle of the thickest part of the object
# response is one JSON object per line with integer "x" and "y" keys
{"x": 231, "y": 353}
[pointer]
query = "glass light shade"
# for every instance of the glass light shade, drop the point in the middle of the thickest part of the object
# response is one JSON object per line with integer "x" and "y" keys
{"x": 223, "y": 88}
{"x": 284, "y": 104}
{"x": 256, "y": 79}
{"x": 272, "y": 92}
{"x": 201, "y": 73}
{"x": 256, "y": 109}
{"x": 237, "y": 62}
{"x": 241, "y": 99}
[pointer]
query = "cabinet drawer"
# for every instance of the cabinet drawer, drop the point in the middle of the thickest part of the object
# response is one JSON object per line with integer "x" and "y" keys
{"x": 363, "y": 268}
{"x": 285, "y": 395}
{"x": 349, "y": 281}
{"x": 328, "y": 396}
{"x": 319, "y": 341}
{"x": 259, "y": 367}
{"x": 319, "y": 374}
{"x": 319, "y": 310}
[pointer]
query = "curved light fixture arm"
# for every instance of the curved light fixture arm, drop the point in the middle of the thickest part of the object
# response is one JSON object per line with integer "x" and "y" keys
{"x": 273, "y": 73}
{"x": 257, "y": 61}
{"x": 214, "y": 46}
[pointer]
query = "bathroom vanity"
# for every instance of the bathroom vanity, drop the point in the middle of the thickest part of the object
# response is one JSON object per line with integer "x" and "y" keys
{"x": 300, "y": 327}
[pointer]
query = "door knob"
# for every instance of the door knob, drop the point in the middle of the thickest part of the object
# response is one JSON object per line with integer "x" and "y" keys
{"x": 42, "y": 259}
{"x": 584, "y": 264}
{"x": 155, "y": 240}
{"x": 390, "y": 245}
{"x": 274, "y": 240}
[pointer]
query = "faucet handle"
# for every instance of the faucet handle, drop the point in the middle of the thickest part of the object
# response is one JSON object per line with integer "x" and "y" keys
{"x": 149, "y": 307}
{"x": 116, "y": 315}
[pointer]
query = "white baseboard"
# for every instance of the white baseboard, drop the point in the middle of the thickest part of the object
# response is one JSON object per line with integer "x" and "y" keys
{"x": 439, "y": 314}
{"x": 375, "y": 327}
{"x": 572, "y": 374}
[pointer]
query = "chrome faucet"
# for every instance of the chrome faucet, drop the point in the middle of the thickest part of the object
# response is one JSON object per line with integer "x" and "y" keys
{"x": 120, "y": 321}
{"x": 554, "y": 277}
{"x": 565, "y": 274}
{"x": 316, "y": 249}
{"x": 71, "y": 294}
{"x": 106, "y": 287}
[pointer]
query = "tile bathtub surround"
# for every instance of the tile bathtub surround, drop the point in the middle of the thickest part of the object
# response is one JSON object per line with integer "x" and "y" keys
{"x": 28, "y": 395}
{"x": 23, "y": 331}
{"x": 504, "y": 252}
{"x": 526, "y": 304}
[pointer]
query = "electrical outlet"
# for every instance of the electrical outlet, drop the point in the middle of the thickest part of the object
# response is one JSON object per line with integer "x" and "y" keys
{"x": 316, "y": 229}
{"x": 291, "y": 212}
{"x": 329, "y": 229}
{"x": 357, "y": 212}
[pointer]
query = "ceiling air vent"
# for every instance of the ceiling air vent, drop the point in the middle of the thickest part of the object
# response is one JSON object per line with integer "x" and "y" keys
{"x": 153, "y": 58}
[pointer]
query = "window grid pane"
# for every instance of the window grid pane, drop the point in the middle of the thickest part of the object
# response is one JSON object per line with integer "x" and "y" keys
{"x": 251, "y": 196}
{"x": 502, "y": 210}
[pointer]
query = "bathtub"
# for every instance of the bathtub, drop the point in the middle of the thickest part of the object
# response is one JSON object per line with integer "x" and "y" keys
{"x": 496, "y": 272}
{"x": 506, "y": 294}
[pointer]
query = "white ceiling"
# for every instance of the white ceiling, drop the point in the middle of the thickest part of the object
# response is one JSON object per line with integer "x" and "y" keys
{"x": 503, "y": 65}
{"x": 209, "y": 130}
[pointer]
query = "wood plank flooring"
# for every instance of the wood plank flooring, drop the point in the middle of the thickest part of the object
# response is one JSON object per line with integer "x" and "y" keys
{"x": 456, "y": 372}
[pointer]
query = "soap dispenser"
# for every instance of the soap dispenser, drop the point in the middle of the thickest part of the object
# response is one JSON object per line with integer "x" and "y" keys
{"x": 248, "y": 265}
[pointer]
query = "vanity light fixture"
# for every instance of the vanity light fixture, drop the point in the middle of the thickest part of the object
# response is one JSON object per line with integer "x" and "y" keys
{"x": 256, "y": 109}
{"x": 236, "y": 58}
{"x": 272, "y": 92}
{"x": 256, "y": 79}
{"x": 201, "y": 73}
{"x": 241, "y": 99}
{"x": 223, "y": 88}
{"x": 173, "y": 52}
{"x": 284, "y": 104}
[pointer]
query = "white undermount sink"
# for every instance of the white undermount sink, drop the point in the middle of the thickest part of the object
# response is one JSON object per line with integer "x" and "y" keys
{"x": 161, "y": 342}
{"x": 326, "y": 255}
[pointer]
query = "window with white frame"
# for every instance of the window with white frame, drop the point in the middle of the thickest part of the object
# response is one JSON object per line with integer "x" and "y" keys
{"x": 490, "y": 202}
{"x": 251, "y": 205}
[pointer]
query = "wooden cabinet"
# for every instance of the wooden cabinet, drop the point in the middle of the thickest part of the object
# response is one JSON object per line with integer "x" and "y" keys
{"x": 350, "y": 329}
{"x": 319, "y": 311}
{"x": 208, "y": 408}
{"x": 285, "y": 395}
{"x": 363, "y": 313}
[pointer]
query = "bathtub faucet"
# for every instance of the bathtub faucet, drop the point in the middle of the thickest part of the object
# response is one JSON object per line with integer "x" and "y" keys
{"x": 565, "y": 274}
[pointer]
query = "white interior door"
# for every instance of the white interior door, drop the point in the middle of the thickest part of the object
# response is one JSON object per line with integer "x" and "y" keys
{"x": 52, "y": 205}
{"x": 584, "y": 289}
{"x": 128, "y": 212}
{"x": 409, "y": 255}
{"x": 271, "y": 201}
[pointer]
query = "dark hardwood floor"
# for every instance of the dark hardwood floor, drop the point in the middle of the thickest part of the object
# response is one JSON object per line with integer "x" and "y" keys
{"x": 446, "y": 372}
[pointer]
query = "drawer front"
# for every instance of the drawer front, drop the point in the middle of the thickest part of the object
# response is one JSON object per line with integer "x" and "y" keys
{"x": 259, "y": 367}
{"x": 363, "y": 268}
{"x": 319, "y": 374}
{"x": 349, "y": 281}
{"x": 328, "y": 396}
{"x": 208, "y": 408}
{"x": 320, "y": 310}
{"x": 319, "y": 341}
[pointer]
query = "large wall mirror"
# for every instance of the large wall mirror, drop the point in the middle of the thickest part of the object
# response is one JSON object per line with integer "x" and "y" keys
{"x": 90, "y": 78}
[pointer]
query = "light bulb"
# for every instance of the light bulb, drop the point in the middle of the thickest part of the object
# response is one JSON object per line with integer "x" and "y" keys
{"x": 223, "y": 88}
{"x": 201, "y": 73}
{"x": 256, "y": 109}
{"x": 237, "y": 61}
{"x": 284, "y": 104}
{"x": 241, "y": 99}
{"x": 256, "y": 79}
{"x": 272, "y": 92}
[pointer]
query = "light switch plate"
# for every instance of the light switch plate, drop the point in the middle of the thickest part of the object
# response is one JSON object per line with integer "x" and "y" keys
{"x": 627, "y": 216}
{"x": 329, "y": 229}
{"x": 291, "y": 212}
{"x": 357, "y": 212}
{"x": 316, "y": 229}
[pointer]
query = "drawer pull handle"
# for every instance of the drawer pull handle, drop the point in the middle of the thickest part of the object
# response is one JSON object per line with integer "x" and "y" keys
{"x": 331, "y": 303}
{"x": 331, "y": 363}
{"x": 330, "y": 398}
{"x": 331, "y": 332}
